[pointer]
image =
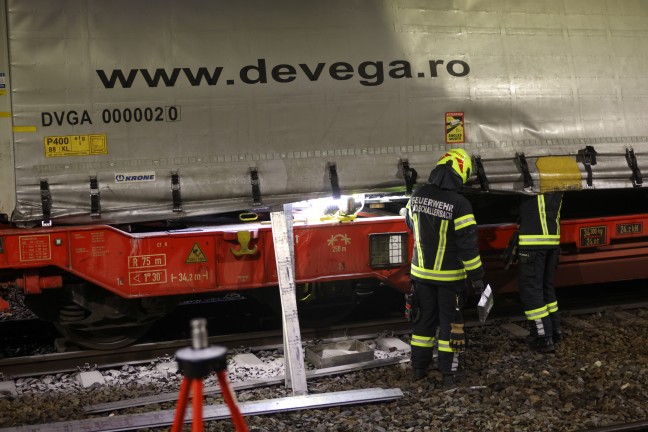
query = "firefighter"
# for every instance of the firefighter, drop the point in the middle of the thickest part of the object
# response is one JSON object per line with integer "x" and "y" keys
{"x": 538, "y": 252}
{"x": 444, "y": 255}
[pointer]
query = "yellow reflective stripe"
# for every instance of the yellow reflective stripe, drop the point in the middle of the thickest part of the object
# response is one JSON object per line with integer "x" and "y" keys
{"x": 473, "y": 263}
{"x": 540, "y": 240}
{"x": 443, "y": 232}
{"x": 537, "y": 313}
{"x": 558, "y": 218}
{"x": 417, "y": 242}
{"x": 24, "y": 128}
{"x": 444, "y": 345}
{"x": 464, "y": 221}
{"x": 540, "y": 309}
{"x": 552, "y": 307}
{"x": 422, "y": 341}
{"x": 438, "y": 275}
{"x": 543, "y": 214}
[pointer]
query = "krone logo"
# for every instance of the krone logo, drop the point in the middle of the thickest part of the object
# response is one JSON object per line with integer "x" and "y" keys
{"x": 145, "y": 176}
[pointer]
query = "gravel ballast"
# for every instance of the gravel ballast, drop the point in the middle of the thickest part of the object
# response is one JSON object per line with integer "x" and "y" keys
{"x": 597, "y": 377}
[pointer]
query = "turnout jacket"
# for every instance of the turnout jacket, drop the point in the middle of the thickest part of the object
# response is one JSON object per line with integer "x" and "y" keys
{"x": 540, "y": 221}
{"x": 445, "y": 233}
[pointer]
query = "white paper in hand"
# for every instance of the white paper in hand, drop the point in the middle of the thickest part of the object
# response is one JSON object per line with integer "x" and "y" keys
{"x": 485, "y": 303}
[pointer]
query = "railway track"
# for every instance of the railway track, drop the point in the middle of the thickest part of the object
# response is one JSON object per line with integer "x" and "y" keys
{"x": 623, "y": 427}
{"x": 52, "y": 363}
{"x": 501, "y": 379}
{"x": 41, "y": 364}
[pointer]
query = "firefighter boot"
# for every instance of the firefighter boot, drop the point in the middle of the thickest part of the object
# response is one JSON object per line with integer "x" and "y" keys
{"x": 532, "y": 338}
{"x": 557, "y": 336}
{"x": 450, "y": 380}
{"x": 418, "y": 374}
{"x": 545, "y": 345}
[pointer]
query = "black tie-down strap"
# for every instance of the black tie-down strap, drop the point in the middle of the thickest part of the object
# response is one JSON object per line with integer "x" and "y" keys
{"x": 637, "y": 179}
{"x": 175, "y": 192}
{"x": 333, "y": 177}
{"x": 587, "y": 157}
{"x": 46, "y": 203}
{"x": 481, "y": 174}
{"x": 95, "y": 203}
{"x": 524, "y": 166}
{"x": 409, "y": 174}
{"x": 256, "y": 186}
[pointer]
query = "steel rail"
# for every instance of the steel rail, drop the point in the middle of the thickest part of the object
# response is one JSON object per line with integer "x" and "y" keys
{"x": 622, "y": 427}
{"x": 43, "y": 364}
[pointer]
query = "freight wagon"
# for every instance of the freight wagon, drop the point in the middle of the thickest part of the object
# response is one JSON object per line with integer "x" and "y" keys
{"x": 142, "y": 143}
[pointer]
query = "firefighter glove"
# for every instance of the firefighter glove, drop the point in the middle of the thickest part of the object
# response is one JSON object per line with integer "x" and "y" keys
{"x": 510, "y": 254}
{"x": 478, "y": 286}
{"x": 457, "y": 337}
{"x": 412, "y": 308}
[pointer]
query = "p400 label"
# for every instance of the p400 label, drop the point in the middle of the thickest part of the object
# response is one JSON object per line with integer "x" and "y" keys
{"x": 75, "y": 145}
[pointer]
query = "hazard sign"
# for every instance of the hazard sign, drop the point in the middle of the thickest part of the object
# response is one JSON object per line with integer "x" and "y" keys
{"x": 196, "y": 255}
{"x": 455, "y": 132}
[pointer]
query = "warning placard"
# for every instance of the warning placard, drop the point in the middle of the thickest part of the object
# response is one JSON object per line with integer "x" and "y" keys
{"x": 196, "y": 255}
{"x": 35, "y": 247}
{"x": 455, "y": 132}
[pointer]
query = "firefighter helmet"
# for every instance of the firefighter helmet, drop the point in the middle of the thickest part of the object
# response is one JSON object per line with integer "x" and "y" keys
{"x": 460, "y": 162}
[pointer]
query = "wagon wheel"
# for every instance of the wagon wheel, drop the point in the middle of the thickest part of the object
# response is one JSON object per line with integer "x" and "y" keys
{"x": 95, "y": 318}
{"x": 105, "y": 338}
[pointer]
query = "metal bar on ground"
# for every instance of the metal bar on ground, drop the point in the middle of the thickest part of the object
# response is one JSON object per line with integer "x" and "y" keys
{"x": 217, "y": 412}
{"x": 167, "y": 397}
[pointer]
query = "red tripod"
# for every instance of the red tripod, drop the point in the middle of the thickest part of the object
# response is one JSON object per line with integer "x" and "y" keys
{"x": 196, "y": 363}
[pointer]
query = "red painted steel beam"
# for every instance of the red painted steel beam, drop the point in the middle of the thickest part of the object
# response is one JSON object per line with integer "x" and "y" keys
{"x": 242, "y": 257}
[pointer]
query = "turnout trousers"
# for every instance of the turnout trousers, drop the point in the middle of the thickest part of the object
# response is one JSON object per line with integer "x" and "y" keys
{"x": 536, "y": 270}
{"x": 437, "y": 307}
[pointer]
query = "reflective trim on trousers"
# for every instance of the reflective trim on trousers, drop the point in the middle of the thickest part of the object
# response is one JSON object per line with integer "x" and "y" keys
{"x": 422, "y": 341}
{"x": 540, "y": 328}
{"x": 535, "y": 314}
{"x": 444, "y": 345}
